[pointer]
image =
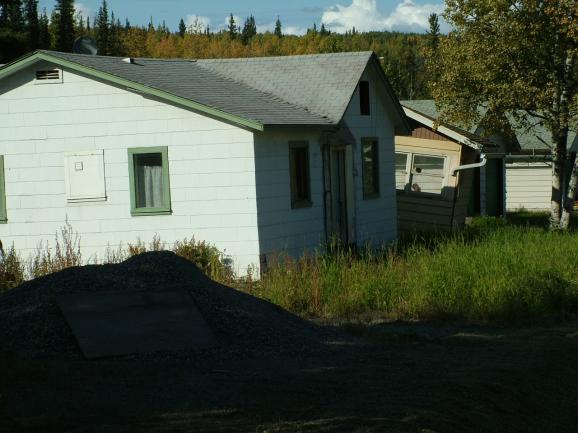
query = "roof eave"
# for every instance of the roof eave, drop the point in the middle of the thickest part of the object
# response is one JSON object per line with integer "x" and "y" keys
{"x": 36, "y": 56}
{"x": 460, "y": 138}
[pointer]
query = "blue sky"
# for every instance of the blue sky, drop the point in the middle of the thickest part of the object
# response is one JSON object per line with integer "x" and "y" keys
{"x": 296, "y": 15}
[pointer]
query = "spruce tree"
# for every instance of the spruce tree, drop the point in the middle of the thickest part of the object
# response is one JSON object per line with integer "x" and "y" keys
{"x": 232, "y": 27}
{"x": 32, "y": 23}
{"x": 249, "y": 30}
{"x": 182, "y": 28}
{"x": 102, "y": 29}
{"x": 43, "y": 32}
{"x": 65, "y": 25}
{"x": 434, "y": 31}
{"x": 278, "y": 31}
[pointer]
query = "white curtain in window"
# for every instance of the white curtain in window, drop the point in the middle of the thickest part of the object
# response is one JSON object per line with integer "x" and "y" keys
{"x": 152, "y": 187}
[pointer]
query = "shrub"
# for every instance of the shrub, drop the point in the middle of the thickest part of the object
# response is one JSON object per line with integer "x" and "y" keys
{"x": 65, "y": 254}
{"x": 11, "y": 269}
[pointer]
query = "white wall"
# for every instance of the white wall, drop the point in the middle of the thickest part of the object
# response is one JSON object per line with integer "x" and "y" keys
{"x": 281, "y": 228}
{"x": 375, "y": 219}
{"x": 211, "y": 167}
{"x": 528, "y": 186}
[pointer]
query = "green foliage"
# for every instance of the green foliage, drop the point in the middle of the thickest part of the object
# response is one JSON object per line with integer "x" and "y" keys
{"x": 249, "y": 30}
{"x": 182, "y": 28}
{"x": 278, "y": 28}
{"x": 207, "y": 257}
{"x": 492, "y": 271}
{"x": 65, "y": 254}
{"x": 102, "y": 29}
{"x": 64, "y": 24}
{"x": 515, "y": 58}
{"x": 11, "y": 269}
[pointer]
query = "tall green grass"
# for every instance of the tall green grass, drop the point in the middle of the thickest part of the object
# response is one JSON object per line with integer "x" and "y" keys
{"x": 484, "y": 273}
{"x": 492, "y": 270}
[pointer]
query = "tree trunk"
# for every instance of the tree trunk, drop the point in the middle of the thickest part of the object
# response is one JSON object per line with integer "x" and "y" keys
{"x": 558, "y": 159}
{"x": 570, "y": 194}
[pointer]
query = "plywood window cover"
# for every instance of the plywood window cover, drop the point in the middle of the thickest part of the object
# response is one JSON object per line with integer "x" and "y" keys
{"x": 409, "y": 174}
{"x": 142, "y": 211}
{"x": 81, "y": 199}
{"x": 298, "y": 202}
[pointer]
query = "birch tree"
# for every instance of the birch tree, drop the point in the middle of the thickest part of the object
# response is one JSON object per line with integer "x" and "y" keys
{"x": 515, "y": 57}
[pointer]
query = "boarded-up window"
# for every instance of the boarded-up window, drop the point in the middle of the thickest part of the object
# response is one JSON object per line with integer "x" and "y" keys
{"x": 401, "y": 170}
{"x": 370, "y": 168}
{"x": 364, "y": 98}
{"x": 427, "y": 174}
{"x": 299, "y": 173}
{"x": 149, "y": 180}
{"x": 84, "y": 176}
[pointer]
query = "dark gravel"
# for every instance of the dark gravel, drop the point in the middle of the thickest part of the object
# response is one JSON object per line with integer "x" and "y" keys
{"x": 32, "y": 325}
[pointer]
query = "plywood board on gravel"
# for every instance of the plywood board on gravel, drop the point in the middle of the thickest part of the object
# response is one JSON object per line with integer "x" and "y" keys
{"x": 122, "y": 323}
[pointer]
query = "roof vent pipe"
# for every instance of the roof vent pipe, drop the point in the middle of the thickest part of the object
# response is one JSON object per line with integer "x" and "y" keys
{"x": 129, "y": 60}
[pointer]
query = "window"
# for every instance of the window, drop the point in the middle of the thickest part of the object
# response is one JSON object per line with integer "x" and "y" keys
{"x": 370, "y": 167}
{"x": 364, "y": 98}
{"x": 149, "y": 181}
{"x": 419, "y": 173}
{"x": 299, "y": 173}
{"x": 3, "y": 215}
{"x": 400, "y": 170}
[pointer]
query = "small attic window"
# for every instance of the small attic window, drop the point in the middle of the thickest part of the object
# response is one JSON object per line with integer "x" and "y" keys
{"x": 49, "y": 76}
{"x": 364, "y": 98}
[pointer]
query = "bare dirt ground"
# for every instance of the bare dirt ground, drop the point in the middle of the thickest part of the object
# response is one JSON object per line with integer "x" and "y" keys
{"x": 387, "y": 378}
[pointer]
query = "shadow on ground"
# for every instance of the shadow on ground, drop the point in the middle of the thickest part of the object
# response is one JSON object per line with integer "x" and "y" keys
{"x": 397, "y": 377}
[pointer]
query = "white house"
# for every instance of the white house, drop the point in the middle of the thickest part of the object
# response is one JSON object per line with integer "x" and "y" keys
{"x": 255, "y": 156}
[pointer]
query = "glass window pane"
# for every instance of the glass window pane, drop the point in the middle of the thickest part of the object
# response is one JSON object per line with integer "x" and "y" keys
{"x": 427, "y": 174}
{"x": 149, "y": 180}
{"x": 300, "y": 190}
{"x": 400, "y": 170}
{"x": 370, "y": 169}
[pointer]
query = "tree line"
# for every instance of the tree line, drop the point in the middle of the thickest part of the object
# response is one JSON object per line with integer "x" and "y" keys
{"x": 23, "y": 28}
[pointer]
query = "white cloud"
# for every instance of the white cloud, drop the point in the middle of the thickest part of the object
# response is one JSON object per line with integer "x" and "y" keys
{"x": 286, "y": 30}
{"x": 365, "y": 16}
{"x": 237, "y": 19}
{"x": 197, "y": 23}
{"x": 83, "y": 10}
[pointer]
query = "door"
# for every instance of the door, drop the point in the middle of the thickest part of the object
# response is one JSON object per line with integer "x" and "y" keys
{"x": 339, "y": 227}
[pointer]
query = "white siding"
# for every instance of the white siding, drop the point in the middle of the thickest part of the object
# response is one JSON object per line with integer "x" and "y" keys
{"x": 211, "y": 165}
{"x": 375, "y": 219}
{"x": 528, "y": 186}
{"x": 281, "y": 228}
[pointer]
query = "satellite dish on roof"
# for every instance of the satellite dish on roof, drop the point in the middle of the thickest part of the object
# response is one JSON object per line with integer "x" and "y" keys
{"x": 85, "y": 45}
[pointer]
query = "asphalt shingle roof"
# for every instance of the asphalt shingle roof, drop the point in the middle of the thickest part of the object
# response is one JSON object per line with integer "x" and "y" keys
{"x": 304, "y": 90}
{"x": 535, "y": 138}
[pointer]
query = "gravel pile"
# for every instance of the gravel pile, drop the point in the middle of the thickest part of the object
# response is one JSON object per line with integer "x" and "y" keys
{"x": 31, "y": 323}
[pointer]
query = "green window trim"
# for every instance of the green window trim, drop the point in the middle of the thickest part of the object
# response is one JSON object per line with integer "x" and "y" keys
{"x": 3, "y": 215}
{"x": 165, "y": 209}
{"x": 373, "y": 192}
{"x": 298, "y": 202}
